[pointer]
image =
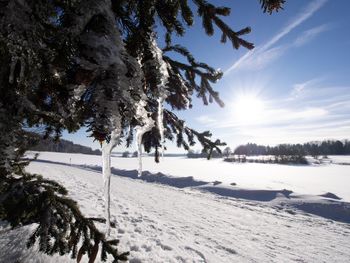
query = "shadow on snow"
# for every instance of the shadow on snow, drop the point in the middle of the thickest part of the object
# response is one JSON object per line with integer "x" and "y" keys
{"x": 326, "y": 205}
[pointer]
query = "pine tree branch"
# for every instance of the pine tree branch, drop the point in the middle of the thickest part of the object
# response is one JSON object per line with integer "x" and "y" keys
{"x": 193, "y": 70}
{"x": 209, "y": 14}
{"x": 272, "y": 5}
{"x": 27, "y": 199}
{"x": 179, "y": 127}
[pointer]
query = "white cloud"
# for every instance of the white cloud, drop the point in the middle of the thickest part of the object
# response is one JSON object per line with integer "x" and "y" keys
{"x": 308, "y": 12}
{"x": 286, "y": 135}
{"x": 316, "y": 93}
{"x": 260, "y": 60}
{"x": 308, "y": 113}
{"x": 319, "y": 113}
{"x": 205, "y": 119}
{"x": 248, "y": 60}
{"x": 300, "y": 88}
{"x": 276, "y": 117}
{"x": 310, "y": 34}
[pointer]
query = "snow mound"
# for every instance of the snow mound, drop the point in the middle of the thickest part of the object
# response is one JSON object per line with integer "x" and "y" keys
{"x": 331, "y": 195}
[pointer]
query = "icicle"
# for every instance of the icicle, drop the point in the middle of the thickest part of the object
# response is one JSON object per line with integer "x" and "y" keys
{"x": 140, "y": 131}
{"x": 148, "y": 124}
{"x": 106, "y": 164}
{"x": 160, "y": 124}
{"x": 128, "y": 131}
{"x": 162, "y": 65}
{"x": 12, "y": 69}
{"x": 14, "y": 61}
{"x": 139, "y": 135}
{"x": 163, "y": 94}
{"x": 23, "y": 64}
{"x": 106, "y": 172}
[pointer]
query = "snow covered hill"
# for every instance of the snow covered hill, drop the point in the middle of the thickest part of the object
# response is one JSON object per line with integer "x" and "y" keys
{"x": 188, "y": 223}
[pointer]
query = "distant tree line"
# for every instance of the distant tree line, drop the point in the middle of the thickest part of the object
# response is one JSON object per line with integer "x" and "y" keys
{"x": 38, "y": 143}
{"x": 192, "y": 154}
{"x": 327, "y": 147}
{"x": 127, "y": 154}
{"x": 280, "y": 159}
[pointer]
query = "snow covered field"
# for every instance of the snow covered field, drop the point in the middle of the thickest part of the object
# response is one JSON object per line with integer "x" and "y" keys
{"x": 301, "y": 179}
{"x": 162, "y": 223}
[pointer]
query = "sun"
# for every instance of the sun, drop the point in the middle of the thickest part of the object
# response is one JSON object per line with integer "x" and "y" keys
{"x": 248, "y": 109}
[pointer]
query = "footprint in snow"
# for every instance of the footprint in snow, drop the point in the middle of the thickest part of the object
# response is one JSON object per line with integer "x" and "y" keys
{"x": 147, "y": 248}
{"x": 165, "y": 247}
{"x": 138, "y": 230}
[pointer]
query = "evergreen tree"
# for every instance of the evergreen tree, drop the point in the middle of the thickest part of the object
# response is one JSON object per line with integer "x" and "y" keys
{"x": 227, "y": 151}
{"x": 326, "y": 147}
{"x": 66, "y": 64}
{"x": 126, "y": 154}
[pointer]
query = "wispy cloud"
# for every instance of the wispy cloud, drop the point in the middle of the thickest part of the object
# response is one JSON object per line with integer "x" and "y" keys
{"x": 316, "y": 92}
{"x": 205, "y": 119}
{"x": 308, "y": 12}
{"x": 299, "y": 88}
{"x": 261, "y": 59}
{"x": 297, "y": 135}
{"x": 269, "y": 53}
{"x": 310, "y": 34}
{"x": 276, "y": 117}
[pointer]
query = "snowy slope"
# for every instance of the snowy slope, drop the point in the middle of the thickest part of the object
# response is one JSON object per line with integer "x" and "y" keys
{"x": 301, "y": 179}
{"x": 159, "y": 223}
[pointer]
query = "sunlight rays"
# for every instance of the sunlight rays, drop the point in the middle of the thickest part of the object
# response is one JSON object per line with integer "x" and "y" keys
{"x": 248, "y": 109}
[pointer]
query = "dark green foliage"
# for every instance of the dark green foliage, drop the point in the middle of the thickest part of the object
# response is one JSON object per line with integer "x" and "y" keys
{"x": 71, "y": 83}
{"x": 227, "y": 152}
{"x": 210, "y": 14}
{"x": 291, "y": 153}
{"x": 126, "y": 154}
{"x": 279, "y": 159}
{"x": 51, "y": 145}
{"x": 187, "y": 83}
{"x": 327, "y": 147}
{"x": 184, "y": 79}
{"x": 69, "y": 64}
{"x": 177, "y": 125}
{"x": 27, "y": 199}
{"x": 193, "y": 155}
{"x": 272, "y": 5}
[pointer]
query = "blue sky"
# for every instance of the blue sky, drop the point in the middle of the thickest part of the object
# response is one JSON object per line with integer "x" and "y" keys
{"x": 293, "y": 87}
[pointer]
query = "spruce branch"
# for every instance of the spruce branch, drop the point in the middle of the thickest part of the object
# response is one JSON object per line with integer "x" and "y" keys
{"x": 27, "y": 199}
{"x": 186, "y": 12}
{"x": 210, "y": 14}
{"x": 179, "y": 126}
{"x": 188, "y": 74}
{"x": 272, "y": 5}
